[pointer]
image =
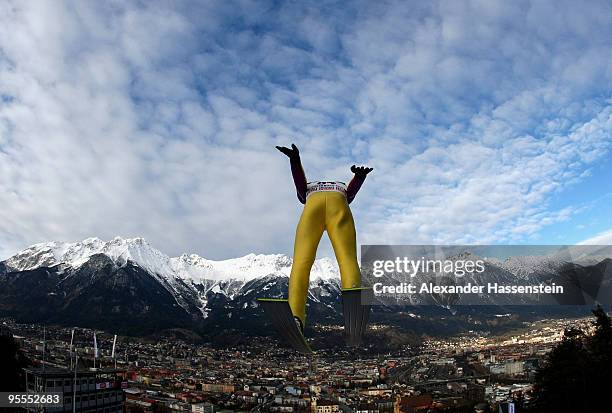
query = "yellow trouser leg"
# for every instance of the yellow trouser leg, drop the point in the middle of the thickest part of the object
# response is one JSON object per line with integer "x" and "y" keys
{"x": 341, "y": 230}
{"x": 307, "y": 237}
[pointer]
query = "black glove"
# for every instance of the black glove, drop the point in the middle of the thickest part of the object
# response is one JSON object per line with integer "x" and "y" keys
{"x": 292, "y": 153}
{"x": 361, "y": 171}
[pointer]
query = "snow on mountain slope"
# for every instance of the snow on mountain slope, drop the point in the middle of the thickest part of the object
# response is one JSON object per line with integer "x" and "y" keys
{"x": 188, "y": 268}
{"x": 76, "y": 254}
{"x": 244, "y": 268}
{"x": 524, "y": 266}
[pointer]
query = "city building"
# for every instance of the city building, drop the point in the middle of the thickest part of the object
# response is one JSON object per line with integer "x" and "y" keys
{"x": 202, "y": 408}
{"x": 326, "y": 406}
{"x": 95, "y": 390}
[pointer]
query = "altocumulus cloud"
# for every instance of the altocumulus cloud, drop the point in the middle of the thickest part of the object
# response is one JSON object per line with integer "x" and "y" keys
{"x": 160, "y": 119}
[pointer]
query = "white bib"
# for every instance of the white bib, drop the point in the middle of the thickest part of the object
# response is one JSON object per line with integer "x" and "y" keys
{"x": 325, "y": 186}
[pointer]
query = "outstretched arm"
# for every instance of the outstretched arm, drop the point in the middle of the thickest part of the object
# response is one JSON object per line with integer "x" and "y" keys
{"x": 299, "y": 178}
{"x": 360, "y": 175}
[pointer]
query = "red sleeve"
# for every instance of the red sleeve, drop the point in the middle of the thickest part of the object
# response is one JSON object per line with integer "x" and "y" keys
{"x": 353, "y": 187}
{"x": 299, "y": 179}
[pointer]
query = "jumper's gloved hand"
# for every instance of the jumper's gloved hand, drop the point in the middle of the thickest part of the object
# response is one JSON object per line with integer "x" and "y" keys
{"x": 360, "y": 171}
{"x": 299, "y": 178}
{"x": 360, "y": 176}
{"x": 292, "y": 153}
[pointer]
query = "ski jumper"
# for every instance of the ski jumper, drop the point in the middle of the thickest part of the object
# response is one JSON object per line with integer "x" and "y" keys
{"x": 326, "y": 209}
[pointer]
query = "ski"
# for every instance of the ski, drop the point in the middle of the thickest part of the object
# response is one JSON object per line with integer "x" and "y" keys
{"x": 356, "y": 308}
{"x": 280, "y": 314}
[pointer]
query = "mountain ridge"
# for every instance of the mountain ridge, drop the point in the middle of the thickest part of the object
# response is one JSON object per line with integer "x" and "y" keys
{"x": 129, "y": 286}
{"x": 138, "y": 250}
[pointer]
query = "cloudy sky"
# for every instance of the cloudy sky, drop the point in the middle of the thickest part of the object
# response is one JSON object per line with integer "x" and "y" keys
{"x": 485, "y": 121}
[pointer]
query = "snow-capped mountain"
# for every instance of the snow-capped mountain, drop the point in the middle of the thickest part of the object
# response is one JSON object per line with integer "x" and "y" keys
{"x": 226, "y": 276}
{"x": 186, "y": 267}
{"x": 129, "y": 286}
{"x": 131, "y": 277}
